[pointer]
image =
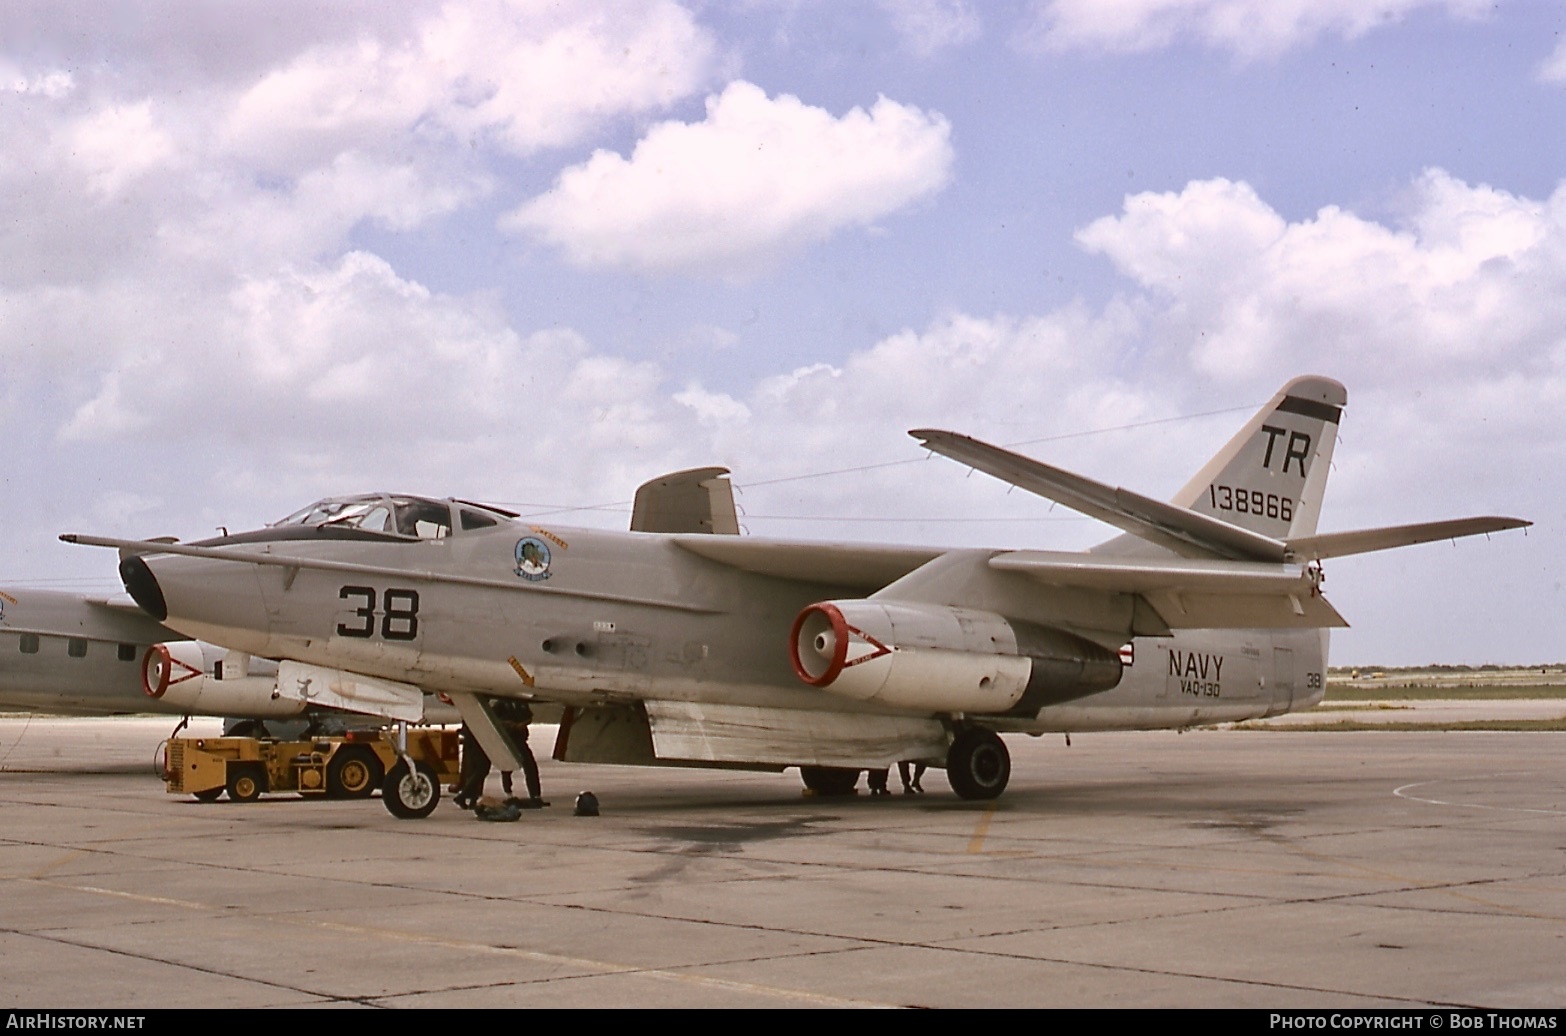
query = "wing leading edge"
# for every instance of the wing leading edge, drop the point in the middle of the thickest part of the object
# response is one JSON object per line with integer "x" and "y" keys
{"x": 1184, "y": 532}
{"x": 1190, "y": 593}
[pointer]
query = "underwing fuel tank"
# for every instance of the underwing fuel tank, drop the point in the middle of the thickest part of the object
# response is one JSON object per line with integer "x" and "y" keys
{"x": 202, "y": 679}
{"x": 938, "y": 659}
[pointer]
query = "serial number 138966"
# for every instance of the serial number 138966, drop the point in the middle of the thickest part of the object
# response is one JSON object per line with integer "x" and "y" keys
{"x": 1250, "y": 501}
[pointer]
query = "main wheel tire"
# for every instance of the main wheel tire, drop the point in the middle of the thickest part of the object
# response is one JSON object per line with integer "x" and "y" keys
{"x": 829, "y": 780}
{"x": 977, "y": 764}
{"x": 246, "y": 782}
{"x": 411, "y": 795}
{"x": 353, "y": 773}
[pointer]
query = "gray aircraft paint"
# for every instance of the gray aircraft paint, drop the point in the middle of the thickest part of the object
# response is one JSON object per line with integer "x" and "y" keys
{"x": 687, "y": 636}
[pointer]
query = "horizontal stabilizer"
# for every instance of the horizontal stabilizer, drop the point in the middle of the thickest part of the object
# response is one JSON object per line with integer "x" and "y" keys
{"x": 1185, "y": 532}
{"x": 1189, "y": 593}
{"x": 1363, "y": 541}
{"x": 1139, "y": 575}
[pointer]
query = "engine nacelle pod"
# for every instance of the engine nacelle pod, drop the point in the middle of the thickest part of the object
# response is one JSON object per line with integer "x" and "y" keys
{"x": 910, "y": 656}
{"x": 933, "y": 658}
{"x": 184, "y": 674}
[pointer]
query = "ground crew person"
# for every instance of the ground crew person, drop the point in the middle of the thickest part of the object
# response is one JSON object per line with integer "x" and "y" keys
{"x": 475, "y": 771}
{"x": 516, "y": 715}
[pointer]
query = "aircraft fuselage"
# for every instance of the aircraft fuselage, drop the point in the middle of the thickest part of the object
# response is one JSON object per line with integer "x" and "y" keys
{"x": 587, "y": 617}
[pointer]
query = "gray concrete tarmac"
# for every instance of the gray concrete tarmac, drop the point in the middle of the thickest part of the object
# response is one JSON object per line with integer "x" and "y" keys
{"x": 1218, "y": 868}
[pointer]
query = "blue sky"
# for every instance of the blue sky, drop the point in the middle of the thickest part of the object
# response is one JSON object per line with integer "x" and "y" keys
{"x": 538, "y": 253}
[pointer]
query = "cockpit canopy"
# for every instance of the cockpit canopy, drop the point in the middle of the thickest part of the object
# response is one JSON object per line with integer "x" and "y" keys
{"x": 415, "y": 517}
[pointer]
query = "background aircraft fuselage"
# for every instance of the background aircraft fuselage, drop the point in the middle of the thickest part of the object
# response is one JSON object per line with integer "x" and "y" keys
{"x": 65, "y": 653}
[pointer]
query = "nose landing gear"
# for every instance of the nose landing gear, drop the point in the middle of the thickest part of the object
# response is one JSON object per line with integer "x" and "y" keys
{"x": 411, "y": 794}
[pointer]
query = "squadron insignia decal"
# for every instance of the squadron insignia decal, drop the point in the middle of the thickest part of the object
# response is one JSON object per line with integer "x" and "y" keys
{"x": 532, "y": 556}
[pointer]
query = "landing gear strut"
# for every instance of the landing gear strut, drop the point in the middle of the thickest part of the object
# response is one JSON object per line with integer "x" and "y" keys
{"x": 977, "y": 764}
{"x": 411, "y": 791}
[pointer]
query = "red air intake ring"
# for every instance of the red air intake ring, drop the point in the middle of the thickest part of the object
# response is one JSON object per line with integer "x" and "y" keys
{"x": 157, "y": 665}
{"x": 839, "y": 627}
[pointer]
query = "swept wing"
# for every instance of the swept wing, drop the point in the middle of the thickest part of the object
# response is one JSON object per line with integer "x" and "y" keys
{"x": 1186, "y": 532}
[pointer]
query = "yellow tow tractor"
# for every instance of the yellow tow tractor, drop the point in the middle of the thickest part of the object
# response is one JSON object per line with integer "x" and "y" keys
{"x": 350, "y": 765}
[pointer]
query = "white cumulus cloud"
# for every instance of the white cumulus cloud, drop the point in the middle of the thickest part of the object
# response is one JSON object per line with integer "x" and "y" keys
{"x": 758, "y": 177}
{"x": 116, "y": 145}
{"x": 1553, "y": 69}
{"x": 1249, "y": 29}
{"x": 53, "y": 84}
{"x": 394, "y": 120}
{"x": 1464, "y": 284}
{"x": 928, "y": 27}
{"x": 524, "y": 75}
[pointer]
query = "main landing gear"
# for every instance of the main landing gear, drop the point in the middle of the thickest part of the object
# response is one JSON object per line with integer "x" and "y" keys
{"x": 977, "y": 764}
{"x": 978, "y": 767}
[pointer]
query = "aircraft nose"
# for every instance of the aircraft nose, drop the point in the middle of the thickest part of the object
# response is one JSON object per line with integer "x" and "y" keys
{"x": 143, "y": 587}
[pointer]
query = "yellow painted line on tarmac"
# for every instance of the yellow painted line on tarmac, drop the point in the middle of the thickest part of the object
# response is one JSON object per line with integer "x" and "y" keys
{"x": 58, "y": 862}
{"x": 134, "y": 896}
{"x": 982, "y": 829}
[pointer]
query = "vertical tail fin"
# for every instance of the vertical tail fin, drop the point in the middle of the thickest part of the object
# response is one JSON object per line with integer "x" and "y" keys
{"x": 1270, "y": 477}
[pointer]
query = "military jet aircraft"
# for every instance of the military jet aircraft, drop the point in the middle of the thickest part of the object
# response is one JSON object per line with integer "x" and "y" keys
{"x": 680, "y": 643}
{"x": 72, "y": 654}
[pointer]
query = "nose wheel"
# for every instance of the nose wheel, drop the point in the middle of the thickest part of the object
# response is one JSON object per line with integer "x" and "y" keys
{"x": 977, "y": 764}
{"x": 411, "y": 794}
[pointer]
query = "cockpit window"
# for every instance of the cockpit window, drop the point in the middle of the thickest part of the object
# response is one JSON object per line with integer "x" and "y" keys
{"x": 472, "y": 519}
{"x": 412, "y": 516}
{"x": 371, "y": 515}
{"x": 402, "y": 515}
{"x": 316, "y": 513}
{"x": 426, "y": 519}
